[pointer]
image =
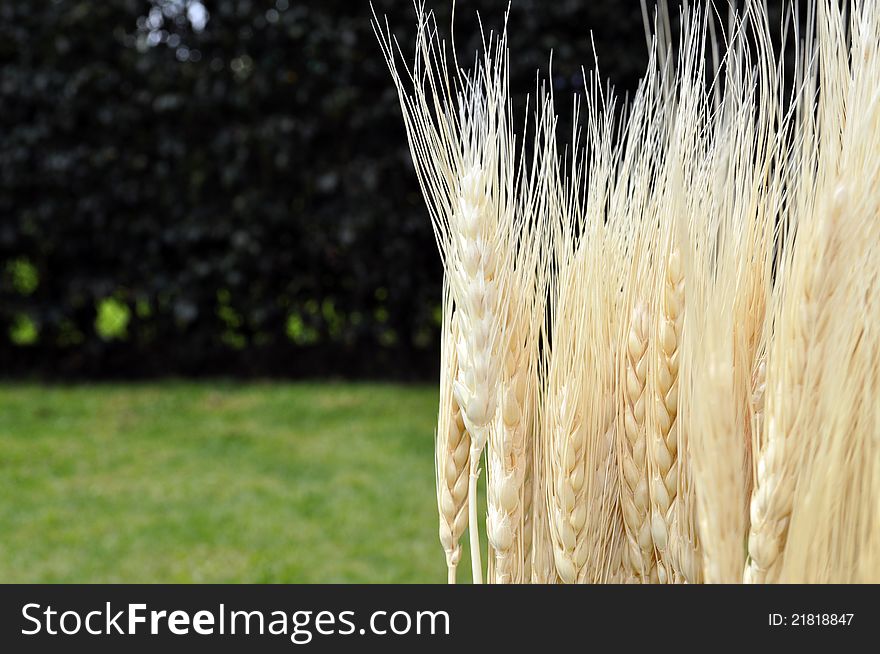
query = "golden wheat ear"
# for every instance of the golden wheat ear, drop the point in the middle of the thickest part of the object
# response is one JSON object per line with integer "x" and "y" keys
{"x": 460, "y": 137}
{"x": 663, "y": 427}
{"x": 718, "y": 452}
{"x": 831, "y": 536}
{"x": 452, "y": 452}
{"x": 667, "y": 348}
{"x": 632, "y": 439}
{"x": 512, "y": 442}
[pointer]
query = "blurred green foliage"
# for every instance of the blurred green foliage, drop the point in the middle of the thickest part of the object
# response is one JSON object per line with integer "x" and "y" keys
{"x": 24, "y": 276}
{"x": 157, "y": 154}
{"x": 23, "y": 330}
{"x": 112, "y": 319}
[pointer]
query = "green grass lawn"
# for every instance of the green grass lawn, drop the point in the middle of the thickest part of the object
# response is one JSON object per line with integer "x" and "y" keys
{"x": 218, "y": 482}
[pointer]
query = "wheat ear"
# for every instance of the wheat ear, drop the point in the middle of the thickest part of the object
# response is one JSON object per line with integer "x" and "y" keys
{"x": 663, "y": 427}
{"x": 475, "y": 385}
{"x": 566, "y": 431}
{"x": 716, "y": 429}
{"x": 452, "y": 447}
{"x": 512, "y": 442}
{"x": 596, "y": 543}
{"x": 566, "y": 426}
{"x": 683, "y": 549}
{"x": 632, "y": 448}
{"x": 839, "y": 137}
{"x": 581, "y": 486}
{"x": 790, "y": 377}
{"x": 719, "y": 463}
{"x": 619, "y": 568}
{"x": 834, "y": 507}
{"x": 579, "y": 457}
{"x": 685, "y": 553}
{"x": 835, "y": 502}
{"x": 508, "y": 455}
{"x": 832, "y": 532}
{"x": 567, "y": 517}
{"x": 604, "y": 563}
{"x": 460, "y": 144}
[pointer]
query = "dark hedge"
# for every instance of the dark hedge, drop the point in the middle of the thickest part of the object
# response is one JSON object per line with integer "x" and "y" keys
{"x": 230, "y": 192}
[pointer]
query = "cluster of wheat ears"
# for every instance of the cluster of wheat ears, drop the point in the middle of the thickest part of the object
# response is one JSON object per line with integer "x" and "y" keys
{"x": 661, "y": 342}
